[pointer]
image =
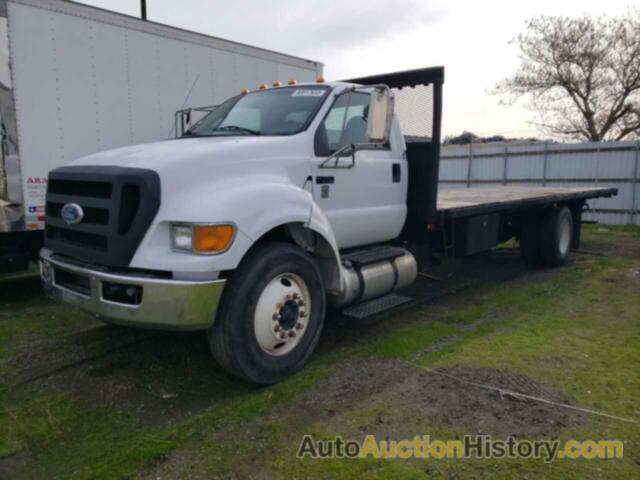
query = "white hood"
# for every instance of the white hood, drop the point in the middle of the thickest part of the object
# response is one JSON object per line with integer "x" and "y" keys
{"x": 189, "y": 162}
{"x": 160, "y": 155}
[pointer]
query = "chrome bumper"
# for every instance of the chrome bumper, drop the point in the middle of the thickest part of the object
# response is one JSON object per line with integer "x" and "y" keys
{"x": 160, "y": 303}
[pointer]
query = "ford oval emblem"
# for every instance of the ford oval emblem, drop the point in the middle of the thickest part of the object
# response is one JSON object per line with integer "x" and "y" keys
{"x": 72, "y": 213}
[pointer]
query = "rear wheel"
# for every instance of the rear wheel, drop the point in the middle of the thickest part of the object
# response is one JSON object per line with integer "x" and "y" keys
{"x": 271, "y": 314}
{"x": 556, "y": 234}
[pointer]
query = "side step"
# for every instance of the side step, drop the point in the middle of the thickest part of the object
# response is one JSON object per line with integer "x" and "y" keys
{"x": 375, "y": 306}
{"x": 360, "y": 258}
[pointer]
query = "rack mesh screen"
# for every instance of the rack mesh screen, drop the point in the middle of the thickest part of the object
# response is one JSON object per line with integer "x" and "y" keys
{"x": 414, "y": 107}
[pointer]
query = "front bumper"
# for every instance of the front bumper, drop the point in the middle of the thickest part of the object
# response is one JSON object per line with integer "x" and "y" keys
{"x": 157, "y": 303}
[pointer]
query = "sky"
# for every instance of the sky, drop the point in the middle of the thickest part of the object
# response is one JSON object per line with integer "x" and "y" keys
{"x": 471, "y": 39}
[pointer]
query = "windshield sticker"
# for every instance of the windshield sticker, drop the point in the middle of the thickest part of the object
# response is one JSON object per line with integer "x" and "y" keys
{"x": 309, "y": 92}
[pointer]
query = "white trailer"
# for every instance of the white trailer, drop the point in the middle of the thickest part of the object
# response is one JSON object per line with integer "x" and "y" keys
{"x": 75, "y": 80}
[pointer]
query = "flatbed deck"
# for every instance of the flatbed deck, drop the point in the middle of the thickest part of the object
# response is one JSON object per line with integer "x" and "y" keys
{"x": 464, "y": 202}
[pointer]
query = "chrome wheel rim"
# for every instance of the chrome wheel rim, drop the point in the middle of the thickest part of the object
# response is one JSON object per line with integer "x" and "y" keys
{"x": 565, "y": 236}
{"x": 282, "y": 314}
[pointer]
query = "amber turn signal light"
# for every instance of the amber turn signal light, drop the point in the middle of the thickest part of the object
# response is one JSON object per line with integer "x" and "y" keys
{"x": 212, "y": 238}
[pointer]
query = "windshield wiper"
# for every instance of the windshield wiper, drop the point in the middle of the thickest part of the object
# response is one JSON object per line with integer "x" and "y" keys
{"x": 236, "y": 128}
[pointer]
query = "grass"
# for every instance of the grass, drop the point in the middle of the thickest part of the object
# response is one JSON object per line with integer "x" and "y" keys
{"x": 576, "y": 328}
{"x": 581, "y": 333}
{"x": 612, "y": 230}
{"x": 79, "y": 441}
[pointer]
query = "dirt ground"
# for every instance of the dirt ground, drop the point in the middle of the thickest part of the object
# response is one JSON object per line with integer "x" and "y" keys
{"x": 439, "y": 400}
{"x": 388, "y": 399}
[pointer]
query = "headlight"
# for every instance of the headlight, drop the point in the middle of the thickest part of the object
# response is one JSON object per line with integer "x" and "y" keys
{"x": 206, "y": 239}
{"x": 182, "y": 237}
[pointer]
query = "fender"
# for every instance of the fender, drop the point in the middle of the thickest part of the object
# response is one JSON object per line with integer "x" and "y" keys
{"x": 329, "y": 254}
{"x": 300, "y": 210}
{"x": 255, "y": 205}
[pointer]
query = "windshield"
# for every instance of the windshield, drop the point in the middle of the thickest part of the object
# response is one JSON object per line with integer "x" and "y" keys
{"x": 277, "y": 111}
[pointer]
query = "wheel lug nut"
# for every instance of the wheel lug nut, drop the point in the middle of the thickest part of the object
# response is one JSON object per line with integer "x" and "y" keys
{"x": 301, "y": 303}
{"x": 289, "y": 297}
{"x": 275, "y": 316}
{"x": 283, "y": 335}
{"x": 296, "y": 296}
{"x": 292, "y": 334}
{"x": 278, "y": 306}
{"x": 303, "y": 314}
{"x": 278, "y": 328}
{"x": 299, "y": 326}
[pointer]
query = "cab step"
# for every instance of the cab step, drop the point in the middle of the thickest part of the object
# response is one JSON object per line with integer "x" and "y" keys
{"x": 375, "y": 306}
{"x": 376, "y": 254}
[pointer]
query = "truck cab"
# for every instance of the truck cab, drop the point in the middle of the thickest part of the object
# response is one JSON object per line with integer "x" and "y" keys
{"x": 242, "y": 226}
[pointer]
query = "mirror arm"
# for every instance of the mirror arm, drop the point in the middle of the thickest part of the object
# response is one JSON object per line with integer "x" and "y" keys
{"x": 335, "y": 156}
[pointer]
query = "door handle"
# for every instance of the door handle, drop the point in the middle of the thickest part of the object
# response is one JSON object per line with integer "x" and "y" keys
{"x": 396, "y": 173}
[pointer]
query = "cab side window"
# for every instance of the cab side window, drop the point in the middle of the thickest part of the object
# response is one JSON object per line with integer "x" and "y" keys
{"x": 345, "y": 124}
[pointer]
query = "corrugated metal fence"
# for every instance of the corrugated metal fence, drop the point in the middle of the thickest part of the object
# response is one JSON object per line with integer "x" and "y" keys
{"x": 606, "y": 164}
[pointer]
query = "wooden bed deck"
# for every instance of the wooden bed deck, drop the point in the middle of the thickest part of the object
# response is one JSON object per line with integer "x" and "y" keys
{"x": 461, "y": 202}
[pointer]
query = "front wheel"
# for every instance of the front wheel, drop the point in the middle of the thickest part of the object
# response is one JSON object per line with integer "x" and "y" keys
{"x": 271, "y": 315}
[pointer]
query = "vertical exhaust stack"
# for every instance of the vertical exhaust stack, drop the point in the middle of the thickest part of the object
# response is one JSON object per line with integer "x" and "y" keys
{"x": 143, "y": 9}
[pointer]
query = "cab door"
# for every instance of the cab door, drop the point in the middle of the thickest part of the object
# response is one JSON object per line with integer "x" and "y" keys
{"x": 362, "y": 192}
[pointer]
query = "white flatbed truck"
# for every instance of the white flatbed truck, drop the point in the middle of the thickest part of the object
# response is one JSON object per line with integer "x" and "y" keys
{"x": 276, "y": 204}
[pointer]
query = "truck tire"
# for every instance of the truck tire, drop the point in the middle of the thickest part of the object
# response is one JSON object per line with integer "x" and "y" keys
{"x": 576, "y": 215}
{"x": 529, "y": 241}
{"x": 271, "y": 314}
{"x": 555, "y": 237}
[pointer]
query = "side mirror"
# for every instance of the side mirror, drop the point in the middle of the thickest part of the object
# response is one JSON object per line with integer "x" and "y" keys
{"x": 380, "y": 114}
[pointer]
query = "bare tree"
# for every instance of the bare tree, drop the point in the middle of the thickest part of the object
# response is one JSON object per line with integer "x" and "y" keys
{"x": 582, "y": 75}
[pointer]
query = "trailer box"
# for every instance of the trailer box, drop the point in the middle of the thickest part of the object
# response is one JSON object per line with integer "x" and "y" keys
{"x": 75, "y": 80}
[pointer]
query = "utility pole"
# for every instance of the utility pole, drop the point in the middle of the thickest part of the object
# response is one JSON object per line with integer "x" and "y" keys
{"x": 143, "y": 9}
